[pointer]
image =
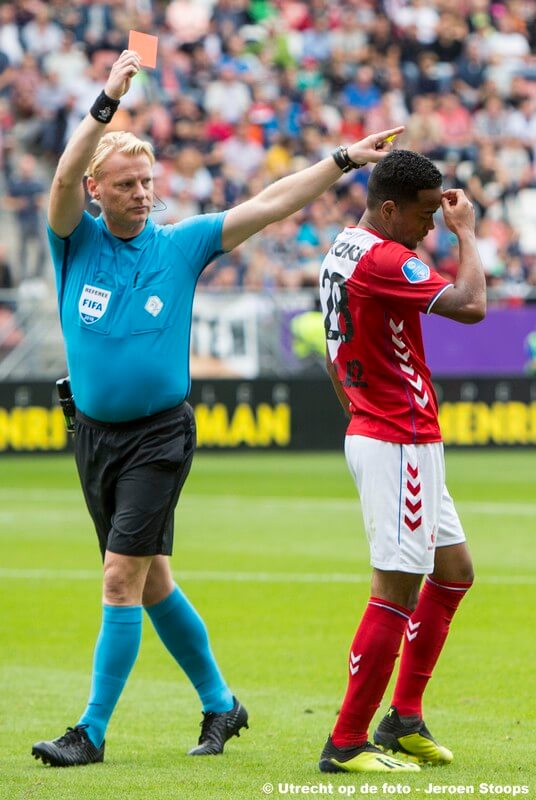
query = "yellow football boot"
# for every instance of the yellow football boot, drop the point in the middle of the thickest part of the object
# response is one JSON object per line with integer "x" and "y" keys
{"x": 409, "y": 735}
{"x": 365, "y": 758}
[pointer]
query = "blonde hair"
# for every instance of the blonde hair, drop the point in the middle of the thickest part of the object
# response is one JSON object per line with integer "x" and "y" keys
{"x": 117, "y": 142}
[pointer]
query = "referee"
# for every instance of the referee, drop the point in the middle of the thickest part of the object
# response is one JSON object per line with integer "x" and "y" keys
{"x": 125, "y": 292}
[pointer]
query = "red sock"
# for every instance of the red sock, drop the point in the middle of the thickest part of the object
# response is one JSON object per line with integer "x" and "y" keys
{"x": 372, "y": 659}
{"x": 425, "y": 637}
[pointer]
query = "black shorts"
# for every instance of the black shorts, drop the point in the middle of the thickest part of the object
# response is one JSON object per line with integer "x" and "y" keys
{"x": 132, "y": 474}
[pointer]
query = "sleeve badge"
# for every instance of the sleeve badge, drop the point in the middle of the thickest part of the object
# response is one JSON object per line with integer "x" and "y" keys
{"x": 415, "y": 270}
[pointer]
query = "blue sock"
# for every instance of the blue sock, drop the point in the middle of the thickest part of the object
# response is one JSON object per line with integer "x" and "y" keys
{"x": 115, "y": 653}
{"x": 184, "y": 634}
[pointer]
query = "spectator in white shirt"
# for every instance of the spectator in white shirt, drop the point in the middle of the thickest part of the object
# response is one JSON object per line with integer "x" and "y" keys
{"x": 9, "y": 35}
{"x": 421, "y": 14}
{"x": 69, "y": 63}
{"x": 228, "y": 95}
{"x": 242, "y": 155}
{"x": 40, "y": 35}
{"x": 522, "y": 123}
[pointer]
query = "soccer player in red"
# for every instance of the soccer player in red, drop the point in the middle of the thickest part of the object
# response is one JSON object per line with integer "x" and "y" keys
{"x": 373, "y": 287}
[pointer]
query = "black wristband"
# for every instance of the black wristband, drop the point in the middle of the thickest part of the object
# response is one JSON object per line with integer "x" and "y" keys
{"x": 104, "y": 108}
{"x": 343, "y": 160}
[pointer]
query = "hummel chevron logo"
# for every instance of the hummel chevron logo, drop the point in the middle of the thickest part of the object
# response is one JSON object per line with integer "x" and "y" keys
{"x": 413, "y": 500}
{"x": 413, "y": 488}
{"x": 354, "y": 662}
{"x": 416, "y": 384}
{"x": 422, "y": 401}
{"x": 402, "y": 352}
{"x": 412, "y": 630}
{"x": 413, "y": 507}
{"x": 412, "y": 524}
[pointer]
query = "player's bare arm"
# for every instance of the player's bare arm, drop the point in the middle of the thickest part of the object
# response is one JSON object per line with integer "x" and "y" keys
{"x": 466, "y": 300}
{"x": 289, "y": 194}
{"x": 339, "y": 391}
{"x": 66, "y": 203}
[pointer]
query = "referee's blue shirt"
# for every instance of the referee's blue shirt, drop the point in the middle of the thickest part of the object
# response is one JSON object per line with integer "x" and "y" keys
{"x": 126, "y": 312}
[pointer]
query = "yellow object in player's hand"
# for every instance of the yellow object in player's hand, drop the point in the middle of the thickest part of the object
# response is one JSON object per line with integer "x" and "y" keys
{"x": 387, "y": 139}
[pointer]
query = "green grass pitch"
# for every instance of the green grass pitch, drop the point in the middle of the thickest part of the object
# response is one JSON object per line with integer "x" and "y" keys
{"x": 270, "y": 548}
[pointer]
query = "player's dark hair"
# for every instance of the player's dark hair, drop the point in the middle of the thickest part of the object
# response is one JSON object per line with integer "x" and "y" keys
{"x": 400, "y": 176}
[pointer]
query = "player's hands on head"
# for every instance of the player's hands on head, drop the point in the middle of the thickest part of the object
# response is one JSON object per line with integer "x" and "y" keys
{"x": 374, "y": 147}
{"x": 122, "y": 72}
{"x": 458, "y": 211}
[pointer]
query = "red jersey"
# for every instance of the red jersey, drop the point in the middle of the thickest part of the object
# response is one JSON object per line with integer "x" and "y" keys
{"x": 372, "y": 292}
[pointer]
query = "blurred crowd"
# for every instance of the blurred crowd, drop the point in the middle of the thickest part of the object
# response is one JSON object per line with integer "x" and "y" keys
{"x": 247, "y": 90}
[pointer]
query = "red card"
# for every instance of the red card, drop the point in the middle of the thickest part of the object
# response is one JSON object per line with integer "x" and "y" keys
{"x": 144, "y": 44}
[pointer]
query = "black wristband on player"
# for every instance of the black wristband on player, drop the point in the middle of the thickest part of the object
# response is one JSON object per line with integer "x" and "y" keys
{"x": 104, "y": 108}
{"x": 343, "y": 160}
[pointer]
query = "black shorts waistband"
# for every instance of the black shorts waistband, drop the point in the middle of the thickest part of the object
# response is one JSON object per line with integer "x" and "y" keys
{"x": 133, "y": 424}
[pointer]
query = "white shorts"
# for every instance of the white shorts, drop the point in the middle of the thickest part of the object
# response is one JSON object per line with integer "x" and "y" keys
{"x": 407, "y": 509}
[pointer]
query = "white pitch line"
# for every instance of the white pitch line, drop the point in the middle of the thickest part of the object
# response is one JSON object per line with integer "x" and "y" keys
{"x": 342, "y": 504}
{"x": 242, "y": 577}
{"x": 503, "y": 509}
{"x": 40, "y": 494}
{"x": 265, "y": 502}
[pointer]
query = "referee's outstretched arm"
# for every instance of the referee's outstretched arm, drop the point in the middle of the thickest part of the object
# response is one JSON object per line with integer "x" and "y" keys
{"x": 289, "y": 194}
{"x": 66, "y": 203}
{"x": 276, "y": 202}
